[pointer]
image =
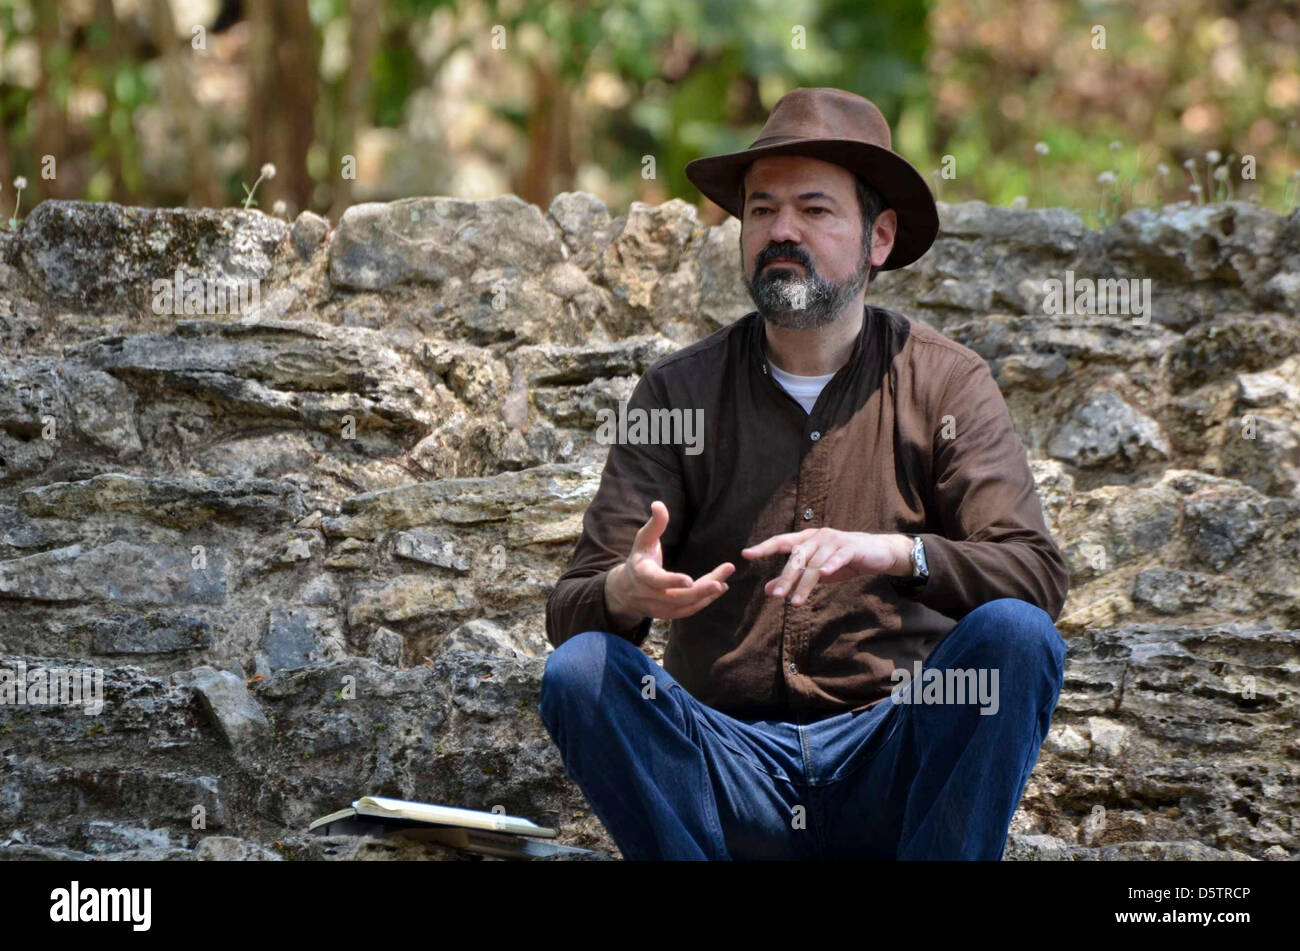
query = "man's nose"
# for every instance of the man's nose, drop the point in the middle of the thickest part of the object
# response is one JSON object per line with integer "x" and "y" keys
{"x": 785, "y": 227}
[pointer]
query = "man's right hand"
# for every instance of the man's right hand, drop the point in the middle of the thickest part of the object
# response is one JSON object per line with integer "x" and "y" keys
{"x": 640, "y": 588}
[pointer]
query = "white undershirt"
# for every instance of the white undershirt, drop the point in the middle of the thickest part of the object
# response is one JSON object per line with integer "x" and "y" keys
{"x": 805, "y": 389}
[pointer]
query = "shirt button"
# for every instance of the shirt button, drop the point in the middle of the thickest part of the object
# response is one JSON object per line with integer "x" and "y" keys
{"x": 814, "y": 435}
{"x": 793, "y": 668}
{"x": 807, "y": 514}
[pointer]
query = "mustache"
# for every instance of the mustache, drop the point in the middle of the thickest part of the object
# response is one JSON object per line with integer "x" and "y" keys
{"x": 788, "y": 252}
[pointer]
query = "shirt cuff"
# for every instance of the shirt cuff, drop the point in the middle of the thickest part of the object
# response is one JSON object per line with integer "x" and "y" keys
{"x": 600, "y": 613}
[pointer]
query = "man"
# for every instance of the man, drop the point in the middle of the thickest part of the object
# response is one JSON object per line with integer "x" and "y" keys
{"x": 862, "y": 661}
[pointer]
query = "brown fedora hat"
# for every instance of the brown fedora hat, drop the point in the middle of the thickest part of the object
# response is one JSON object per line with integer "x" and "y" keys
{"x": 840, "y": 127}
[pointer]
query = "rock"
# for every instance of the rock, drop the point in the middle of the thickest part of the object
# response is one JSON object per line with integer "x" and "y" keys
{"x": 1052, "y": 229}
{"x": 548, "y": 365}
{"x": 122, "y": 633}
{"x": 350, "y": 554}
{"x": 1220, "y": 527}
{"x": 1229, "y": 344}
{"x": 584, "y": 224}
{"x": 233, "y": 713}
{"x": 1225, "y": 241}
{"x": 484, "y": 635}
{"x": 651, "y": 268}
{"x": 544, "y": 503}
{"x": 315, "y": 373}
{"x": 97, "y": 256}
{"x": 267, "y": 457}
{"x": 308, "y": 231}
{"x": 19, "y": 531}
{"x": 1266, "y": 389}
{"x": 1264, "y": 454}
{"x": 386, "y": 647}
{"x": 1107, "y": 431}
{"x": 104, "y": 837}
{"x": 381, "y": 245}
{"x": 429, "y": 548}
{"x": 1040, "y": 848}
{"x": 409, "y": 597}
{"x": 1035, "y": 371}
{"x": 178, "y": 503}
{"x": 322, "y": 589}
{"x": 119, "y": 572}
{"x": 103, "y": 410}
{"x": 1167, "y": 591}
{"x": 227, "y": 848}
{"x": 298, "y": 636}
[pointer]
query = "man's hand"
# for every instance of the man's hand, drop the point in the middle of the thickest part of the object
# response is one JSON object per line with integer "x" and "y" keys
{"x": 825, "y": 554}
{"x": 640, "y": 588}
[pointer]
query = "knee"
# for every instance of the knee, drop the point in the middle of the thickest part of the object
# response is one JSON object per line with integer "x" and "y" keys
{"x": 575, "y": 666}
{"x": 1017, "y": 630}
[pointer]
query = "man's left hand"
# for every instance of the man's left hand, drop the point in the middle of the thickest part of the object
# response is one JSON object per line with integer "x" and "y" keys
{"x": 826, "y": 554}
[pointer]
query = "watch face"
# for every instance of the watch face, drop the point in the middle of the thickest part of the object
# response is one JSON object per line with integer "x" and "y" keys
{"x": 919, "y": 568}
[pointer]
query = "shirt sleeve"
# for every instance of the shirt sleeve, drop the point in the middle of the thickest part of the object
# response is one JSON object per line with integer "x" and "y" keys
{"x": 995, "y": 543}
{"x": 634, "y": 476}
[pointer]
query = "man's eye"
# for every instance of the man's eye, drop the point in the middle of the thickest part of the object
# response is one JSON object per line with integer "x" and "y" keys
{"x": 818, "y": 209}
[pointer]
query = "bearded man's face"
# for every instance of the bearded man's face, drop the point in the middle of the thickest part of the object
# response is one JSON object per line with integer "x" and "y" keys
{"x": 802, "y": 240}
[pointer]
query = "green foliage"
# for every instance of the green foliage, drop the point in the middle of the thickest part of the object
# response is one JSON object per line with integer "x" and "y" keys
{"x": 972, "y": 79}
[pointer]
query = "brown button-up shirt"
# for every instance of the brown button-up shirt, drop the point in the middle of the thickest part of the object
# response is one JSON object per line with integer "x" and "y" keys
{"x": 911, "y": 436}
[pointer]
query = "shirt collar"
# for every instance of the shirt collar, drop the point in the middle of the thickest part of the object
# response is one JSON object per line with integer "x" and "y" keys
{"x": 758, "y": 359}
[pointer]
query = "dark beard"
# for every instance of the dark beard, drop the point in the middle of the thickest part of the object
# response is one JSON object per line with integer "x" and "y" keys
{"x": 775, "y": 290}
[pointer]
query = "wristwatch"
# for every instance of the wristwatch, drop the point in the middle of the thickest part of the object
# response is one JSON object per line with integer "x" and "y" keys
{"x": 920, "y": 570}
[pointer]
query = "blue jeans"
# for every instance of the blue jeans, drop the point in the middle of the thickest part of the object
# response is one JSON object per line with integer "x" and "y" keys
{"x": 932, "y": 778}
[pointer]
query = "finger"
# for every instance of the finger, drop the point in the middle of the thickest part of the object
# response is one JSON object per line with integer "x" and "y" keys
{"x": 794, "y": 568}
{"x": 777, "y": 544}
{"x": 688, "y": 609}
{"x": 673, "y": 606}
{"x": 835, "y": 571}
{"x": 677, "y": 583}
{"x": 646, "y": 572}
{"x": 648, "y": 534}
{"x": 811, "y": 575}
{"x": 836, "y": 561}
{"x": 720, "y": 573}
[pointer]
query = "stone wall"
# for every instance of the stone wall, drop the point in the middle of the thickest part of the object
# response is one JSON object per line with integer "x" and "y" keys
{"x": 309, "y": 544}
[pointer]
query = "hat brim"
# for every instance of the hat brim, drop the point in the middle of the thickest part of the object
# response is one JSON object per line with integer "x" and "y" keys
{"x": 901, "y": 185}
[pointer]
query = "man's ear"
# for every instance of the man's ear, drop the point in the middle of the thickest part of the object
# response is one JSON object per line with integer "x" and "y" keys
{"x": 883, "y": 232}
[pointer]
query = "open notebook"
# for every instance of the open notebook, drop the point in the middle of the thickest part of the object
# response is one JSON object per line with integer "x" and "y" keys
{"x": 488, "y": 833}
